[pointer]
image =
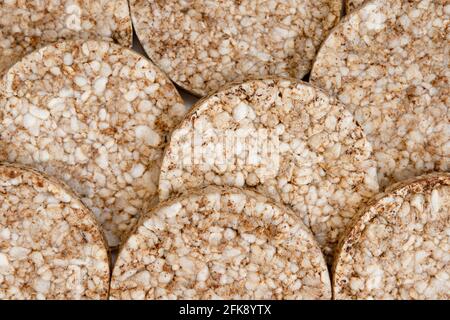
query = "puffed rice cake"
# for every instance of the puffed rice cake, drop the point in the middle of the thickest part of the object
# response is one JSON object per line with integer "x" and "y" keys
{"x": 389, "y": 63}
{"x": 95, "y": 115}
{"x": 51, "y": 246}
{"x": 204, "y": 44}
{"x": 220, "y": 243}
{"x": 399, "y": 247}
{"x": 285, "y": 138}
{"x": 351, "y": 5}
{"x": 26, "y": 25}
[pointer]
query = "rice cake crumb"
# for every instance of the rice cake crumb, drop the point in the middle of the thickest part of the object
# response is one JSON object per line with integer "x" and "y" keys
{"x": 204, "y": 44}
{"x": 220, "y": 243}
{"x": 284, "y": 138}
{"x": 95, "y": 115}
{"x": 50, "y": 244}
{"x": 388, "y": 62}
{"x": 399, "y": 247}
{"x": 352, "y": 5}
{"x": 28, "y": 25}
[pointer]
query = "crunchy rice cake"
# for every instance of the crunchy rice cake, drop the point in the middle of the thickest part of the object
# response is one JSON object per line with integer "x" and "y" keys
{"x": 26, "y": 25}
{"x": 351, "y": 5}
{"x": 203, "y": 44}
{"x": 50, "y": 244}
{"x": 96, "y": 116}
{"x": 389, "y": 63}
{"x": 284, "y": 138}
{"x": 220, "y": 243}
{"x": 399, "y": 248}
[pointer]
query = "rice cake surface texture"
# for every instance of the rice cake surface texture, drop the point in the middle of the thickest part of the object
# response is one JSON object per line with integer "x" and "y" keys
{"x": 389, "y": 63}
{"x": 96, "y": 116}
{"x": 399, "y": 248}
{"x": 220, "y": 243}
{"x": 26, "y": 25}
{"x": 351, "y": 5}
{"x": 204, "y": 44}
{"x": 51, "y": 246}
{"x": 286, "y": 139}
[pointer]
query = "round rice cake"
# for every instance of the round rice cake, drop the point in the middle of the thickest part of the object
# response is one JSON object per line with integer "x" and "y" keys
{"x": 351, "y": 5}
{"x": 399, "y": 248}
{"x": 288, "y": 140}
{"x": 220, "y": 243}
{"x": 27, "y": 25}
{"x": 389, "y": 63}
{"x": 51, "y": 246}
{"x": 204, "y": 44}
{"x": 95, "y": 115}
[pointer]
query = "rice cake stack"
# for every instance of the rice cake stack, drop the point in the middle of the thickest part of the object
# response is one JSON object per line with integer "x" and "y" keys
{"x": 51, "y": 246}
{"x": 27, "y": 25}
{"x": 284, "y": 138}
{"x": 389, "y": 63}
{"x": 219, "y": 243}
{"x": 95, "y": 115}
{"x": 399, "y": 247}
{"x": 204, "y": 44}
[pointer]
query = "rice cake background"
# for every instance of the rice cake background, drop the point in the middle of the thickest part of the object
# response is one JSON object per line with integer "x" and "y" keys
{"x": 204, "y": 44}
{"x": 98, "y": 124}
{"x": 399, "y": 247}
{"x": 322, "y": 165}
{"x": 388, "y": 62}
{"x": 220, "y": 244}
{"x": 26, "y": 25}
{"x": 51, "y": 245}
